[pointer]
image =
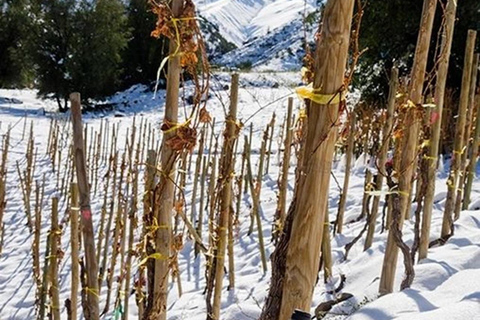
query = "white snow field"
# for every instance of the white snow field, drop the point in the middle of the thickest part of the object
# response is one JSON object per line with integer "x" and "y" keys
{"x": 447, "y": 284}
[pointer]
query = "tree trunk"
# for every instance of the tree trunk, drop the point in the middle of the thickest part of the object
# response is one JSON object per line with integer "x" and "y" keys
{"x": 407, "y": 151}
{"x": 297, "y": 255}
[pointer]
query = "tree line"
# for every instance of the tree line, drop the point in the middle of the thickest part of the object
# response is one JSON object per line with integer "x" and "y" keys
{"x": 60, "y": 46}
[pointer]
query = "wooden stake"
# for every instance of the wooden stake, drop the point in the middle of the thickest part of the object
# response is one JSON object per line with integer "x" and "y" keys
{"x": 225, "y": 192}
{"x": 91, "y": 311}
{"x": 283, "y": 180}
{"x": 442, "y": 71}
{"x": 466, "y": 138}
{"x": 382, "y": 156}
{"x": 75, "y": 250}
{"x": 346, "y": 179}
{"x": 407, "y": 150}
{"x": 458, "y": 147}
{"x": 295, "y": 261}
{"x": 165, "y": 189}
{"x": 55, "y": 233}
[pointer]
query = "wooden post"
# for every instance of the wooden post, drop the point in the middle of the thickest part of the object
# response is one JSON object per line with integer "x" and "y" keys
{"x": 165, "y": 189}
{"x": 407, "y": 149}
{"x": 442, "y": 71}
{"x": 283, "y": 181}
{"x": 148, "y": 222}
{"x": 472, "y": 164}
{"x": 91, "y": 311}
{"x": 55, "y": 233}
{"x": 297, "y": 255}
{"x": 452, "y": 181}
{"x": 255, "y": 209}
{"x": 466, "y": 138}
{"x": 326, "y": 248}
{"x": 225, "y": 181}
{"x": 75, "y": 248}
{"x": 382, "y": 156}
{"x": 348, "y": 166}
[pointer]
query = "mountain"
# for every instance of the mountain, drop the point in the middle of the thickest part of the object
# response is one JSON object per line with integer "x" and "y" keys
{"x": 268, "y": 34}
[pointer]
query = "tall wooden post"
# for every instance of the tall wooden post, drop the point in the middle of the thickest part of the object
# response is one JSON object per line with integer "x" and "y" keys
{"x": 407, "y": 151}
{"x": 75, "y": 248}
{"x": 226, "y": 169}
{"x": 466, "y": 138}
{"x": 452, "y": 181}
{"x": 442, "y": 71}
{"x": 297, "y": 255}
{"x": 472, "y": 164}
{"x": 91, "y": 310}
{"x": 165, "y": 189}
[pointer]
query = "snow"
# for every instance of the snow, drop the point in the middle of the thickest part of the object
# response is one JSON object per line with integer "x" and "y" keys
{"x": 446, "y": 287}
{"x": 243, "y": 20}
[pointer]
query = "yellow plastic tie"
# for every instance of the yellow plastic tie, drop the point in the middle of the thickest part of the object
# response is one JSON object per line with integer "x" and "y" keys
{"x": 156, "y": 256}
{"x": 178, "y": 126}
{"x": 308, "y": 92}
{"x": 92, "y": 291}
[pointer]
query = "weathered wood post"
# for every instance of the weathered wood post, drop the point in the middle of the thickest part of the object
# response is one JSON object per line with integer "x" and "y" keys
{"x": 407, "y": 150}
{"x": 442, "y": 71}
{"x": 466, "y": 138}
{"x": 225, "y": 193}
{"x": 297, "y": 255}
{"x": 74, "y": 219}
{"x": 348, "y": 165}
{"x": 91, "y": 311}
{"x": 452, "y": 181}
{"x": 283, "y": 180}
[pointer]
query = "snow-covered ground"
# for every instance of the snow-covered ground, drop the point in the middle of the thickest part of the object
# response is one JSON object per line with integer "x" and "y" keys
{"x": 447, "y": 284}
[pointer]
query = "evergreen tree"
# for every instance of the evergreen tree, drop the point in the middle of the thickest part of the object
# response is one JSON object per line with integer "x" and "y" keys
{"x": 101, "y": 35}
{"x": 144, "y": 53}
{"x": 52, "y": 45}
{"x": 16, "y": 69}
{"x": 79, "y": 47}
{"x": 389, "y": 30}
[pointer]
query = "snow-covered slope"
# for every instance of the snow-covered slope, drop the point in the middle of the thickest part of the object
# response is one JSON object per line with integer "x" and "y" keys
{"x": 257, "y": 24}
{"x": 446, "y": 287}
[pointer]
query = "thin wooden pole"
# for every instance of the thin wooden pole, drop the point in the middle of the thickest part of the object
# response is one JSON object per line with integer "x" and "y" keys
{"x": 74, "y": 219}
{"x": 442, "y": 71}
{"x": 165, "y": 189}
{"x": 283, "y": 181}
{"x": 407, "y": 149}
{"x": 452, "y": 181}
{"x": 466, "y": 138}
{"x": 55, "y": 233}
{"x": 91, "y": 311}
{"x": 382, "y": 156}
{"x": 472, "y": 165}
{"x": 225, "y": 182}
{"x": 348, "y": 166}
